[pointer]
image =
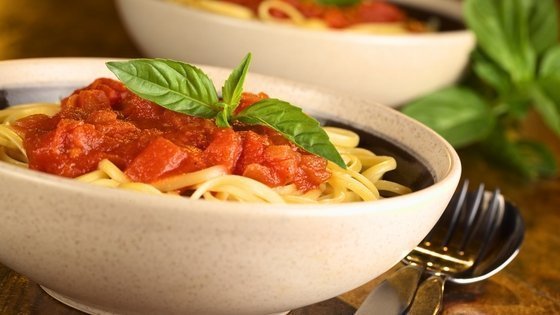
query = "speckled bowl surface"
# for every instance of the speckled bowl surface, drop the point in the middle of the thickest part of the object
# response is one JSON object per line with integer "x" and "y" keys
{"x": 387, "y": 69}
{"x": 122, "y": 252}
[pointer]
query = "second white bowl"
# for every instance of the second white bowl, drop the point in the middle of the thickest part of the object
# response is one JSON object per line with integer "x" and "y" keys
{"x": 386, "y": 69}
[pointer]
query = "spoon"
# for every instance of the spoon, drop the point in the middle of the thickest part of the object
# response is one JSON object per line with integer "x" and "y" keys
{"x": 478, "y": 234}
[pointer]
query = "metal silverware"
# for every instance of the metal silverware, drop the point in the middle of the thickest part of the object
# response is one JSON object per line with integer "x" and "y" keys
{"x": 478, "y": 234}
{"x": 394, "y": 294}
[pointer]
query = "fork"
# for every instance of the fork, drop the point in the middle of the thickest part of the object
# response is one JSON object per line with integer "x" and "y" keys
{"x": 463, "y": 247}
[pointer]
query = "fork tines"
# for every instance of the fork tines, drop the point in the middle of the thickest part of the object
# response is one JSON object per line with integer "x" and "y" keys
{"x": 463, "y": 235}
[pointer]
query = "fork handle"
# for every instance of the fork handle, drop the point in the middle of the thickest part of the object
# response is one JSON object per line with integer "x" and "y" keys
{"x": 429, "y": 297}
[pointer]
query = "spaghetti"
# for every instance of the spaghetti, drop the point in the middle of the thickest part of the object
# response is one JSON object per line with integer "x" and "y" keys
{"x": 368, "y": 16}
{"x": 362, "y": 180}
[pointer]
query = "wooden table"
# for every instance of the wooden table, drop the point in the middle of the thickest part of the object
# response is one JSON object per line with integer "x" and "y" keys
{"x": 529, "y": 285}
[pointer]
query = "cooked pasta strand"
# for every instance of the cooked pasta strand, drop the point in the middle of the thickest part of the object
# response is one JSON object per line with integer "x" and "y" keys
{"x": 113, "y": 171}
{"x": 361, "y": 180}
{"x": 93, "y": 176}
{"x": 242, "y": 187}
{"x": 190, "y": 179}
{"x": 292, "y": 14}
{"x": 288, "y": 13}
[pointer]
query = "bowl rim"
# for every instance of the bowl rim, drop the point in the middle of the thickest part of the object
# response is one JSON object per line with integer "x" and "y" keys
{"x": 450, "y": 177}
{"x": 293, "y": 30}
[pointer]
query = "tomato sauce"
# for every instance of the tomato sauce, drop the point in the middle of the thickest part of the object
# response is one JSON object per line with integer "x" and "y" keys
{"x": 367, "y": 11}
{"x": 106, "y": 121}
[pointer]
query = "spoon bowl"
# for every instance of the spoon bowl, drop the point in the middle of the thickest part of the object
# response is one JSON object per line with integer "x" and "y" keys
{"x": 504, "y": 249}
{"x": 478, "y": 235}
{"x": 482, "y": 233}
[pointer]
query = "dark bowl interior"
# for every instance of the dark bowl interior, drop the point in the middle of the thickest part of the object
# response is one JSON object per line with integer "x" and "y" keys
{"x": 445, "y": 23}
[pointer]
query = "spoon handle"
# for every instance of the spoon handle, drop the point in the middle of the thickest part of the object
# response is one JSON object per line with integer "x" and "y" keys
{"x": 394, "y": 294}
{"x": 429, "y": 297}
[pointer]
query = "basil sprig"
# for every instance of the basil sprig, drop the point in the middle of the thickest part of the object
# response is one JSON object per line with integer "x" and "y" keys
{"x": 515, "y": 69}
{"x": 184, "y": 88}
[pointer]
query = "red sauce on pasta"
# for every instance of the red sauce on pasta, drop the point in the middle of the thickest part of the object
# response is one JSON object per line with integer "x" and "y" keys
{"x": 367, "y": 11}
{"x": 107, "y": 121}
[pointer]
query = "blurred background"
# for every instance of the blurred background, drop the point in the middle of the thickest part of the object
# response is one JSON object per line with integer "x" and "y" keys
{"x": 55, "y": 28}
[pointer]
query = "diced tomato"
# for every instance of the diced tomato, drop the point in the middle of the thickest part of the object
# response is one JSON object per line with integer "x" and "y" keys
{"x": 277, "y": 14}
{"x": 253, "y": 149}
{"x": 159, "y": 157}
{"x": 141, "y": 111}
{"x": 115, "y": 90}
{"x": 248, "y": 99}
{"x": 102, "y": 117}
{"x": 72, "y": 146}
{"x": 107, "y": 122}
{"x": 379, "y": 11}
{"x": 312, "y": 172}
{"x": 367, "y": 11}
{"x": 336, "y": 18}
{"x": 308, "y": 9}
{"x": 187, "y": 130}
{"x": 283, "y": 160}
{"x": 37, "y": 124}
{"x": 195, "y": 161}
{"x": 149, "y": 142}
{"x": 122, "y": 148}
{"x": 79, "y": 106}
{"x": 262, "y": 174}
{"x": 224, "y": 149}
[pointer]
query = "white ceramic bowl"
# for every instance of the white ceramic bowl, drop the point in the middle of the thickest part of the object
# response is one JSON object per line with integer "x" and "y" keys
{"x": 386, "y": 69}
{"x": 125, "y": 252}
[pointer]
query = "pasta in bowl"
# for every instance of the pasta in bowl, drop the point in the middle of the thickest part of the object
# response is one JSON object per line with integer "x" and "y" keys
{"x": 390, "y": 69}
{"x": 158, "y": 150}
{"x": 119, "y": 251}
{"x": 368, "y": 16}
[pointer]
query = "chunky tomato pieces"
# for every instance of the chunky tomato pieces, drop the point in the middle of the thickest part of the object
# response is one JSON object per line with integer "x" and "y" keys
{"x": 366, "y": 11}
{"x": 107, "y": 121}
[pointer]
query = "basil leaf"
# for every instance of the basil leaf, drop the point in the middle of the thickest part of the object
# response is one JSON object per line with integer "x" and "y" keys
{"x": 543, "y": 25}
{"x": 518, "y": 107}
{"x": 549, "y": 111}
{"x": 549, "y": 73}
{"x": 546, "y": 93}
{"x": 528, "y": 158}
{"x": 457, "y": 114}
{"x": 550, "y": 86}
{"x": 538, "y": 157}
{"x": 502, "y": 32}
{"x": 491, "y": 73}
{"x": 233, "y": 87}
{"x": 550, "y": 65}
{"x": 174, "y": 85}
{"x": 293, "y": 124}
{"x": 222, "y": 118}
